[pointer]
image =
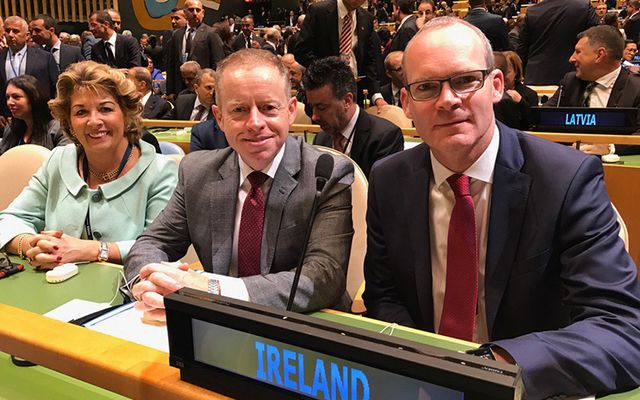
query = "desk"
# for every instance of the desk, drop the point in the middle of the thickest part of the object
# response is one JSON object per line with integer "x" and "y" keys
{"x": 123, "y": 367}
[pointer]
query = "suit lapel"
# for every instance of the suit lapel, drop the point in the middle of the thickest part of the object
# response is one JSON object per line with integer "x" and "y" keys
{"x": 30, "y": 60}
{"x": 361, "y": 134}
{"x": 618, "y": 88}
{"x": 3, "y": 63}
{"x": 509, "y": 196}
{"x": 416, "y": 191}
{"x": 284, "y": 182}
{"x": 223, "y": 197}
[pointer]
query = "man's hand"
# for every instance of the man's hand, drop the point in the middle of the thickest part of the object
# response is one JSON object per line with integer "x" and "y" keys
{"x": 158, "y": 280}
{"x": 515, "y": 96}
{"x": 593, "y": 148}
{"x": 381, "y": 103}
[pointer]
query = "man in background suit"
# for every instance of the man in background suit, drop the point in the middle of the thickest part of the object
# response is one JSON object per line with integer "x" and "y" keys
{"x": 492, "y": 235}
{"x": 207, "y": 136}
{"x": 43, "y": 33}
{"x": 113, "y": 49}
{"x": 196, "y": 106}
{"x": 245, "y": 38}
{"x": 547, "y": 37}
{"x": 320, "y": 37}
{"x": 331, "y": 90}
{"x": 154, "y": 106}
{"x": 262, "y": 186}
{"x": 599, "y": 81}
{"x": 195, "y": 42}
{"x": 178, "y": 20}
{"x": 490, "y": 24}
{"x": 403, "y": 12}
{"x": 393, "y": 69}
{"x": 632, "y": 25}
{"x": 20, "y": 59}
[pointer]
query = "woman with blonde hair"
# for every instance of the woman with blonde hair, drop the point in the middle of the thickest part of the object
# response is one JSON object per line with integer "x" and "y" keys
{"x": 91, "y": 199}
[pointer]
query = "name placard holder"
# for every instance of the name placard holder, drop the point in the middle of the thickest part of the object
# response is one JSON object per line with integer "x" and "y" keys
{"x": 248, "y": 351}
{"x": 614, "y": 120}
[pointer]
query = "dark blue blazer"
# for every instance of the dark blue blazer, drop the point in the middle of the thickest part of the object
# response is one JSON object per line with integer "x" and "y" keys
{"x": 561, "y": 292}
{"x": 207, "y": 136}
{"x": 492, "y": 26}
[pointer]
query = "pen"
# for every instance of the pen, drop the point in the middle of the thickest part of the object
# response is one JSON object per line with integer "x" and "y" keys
{"x": 10, "y": 271}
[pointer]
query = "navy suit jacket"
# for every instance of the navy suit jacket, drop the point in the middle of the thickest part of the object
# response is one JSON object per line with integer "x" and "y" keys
{"x": 207, "y": 136}
{"x": 69, "y": 55}
{"x": 156, "y": 108}
{"x": 561, "y": 292}
{"x": 492, "y": 26}
{"x": 402, "y": 37}
{"x": 39, "y": 63}
{"x": 624, "y": 93}
{"x": 373, "y": 139}
{"x": 127, "y": 54}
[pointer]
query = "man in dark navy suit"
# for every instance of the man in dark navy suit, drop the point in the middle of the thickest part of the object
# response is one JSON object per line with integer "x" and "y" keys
{"x": 43, "y": 32}
{"x": 114, "y": 49}
{"x": 207, "y": 136}
{"x": 488, "y": 234}
{"x": 490, "y": 24}
{"x": 403, "y": 12}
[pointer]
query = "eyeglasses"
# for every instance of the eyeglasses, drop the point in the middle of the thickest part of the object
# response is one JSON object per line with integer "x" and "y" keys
{"x": 465, "y": 82}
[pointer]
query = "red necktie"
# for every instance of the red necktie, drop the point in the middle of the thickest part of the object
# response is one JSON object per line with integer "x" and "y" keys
{"x": 346, "y": 36}
{"x": 339, "y": 143}
{"x": 461, "y": 293}
{"x": 251, "y": 222}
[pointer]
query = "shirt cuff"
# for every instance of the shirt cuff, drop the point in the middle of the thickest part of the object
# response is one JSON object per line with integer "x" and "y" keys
{"x": 375, "y": 97}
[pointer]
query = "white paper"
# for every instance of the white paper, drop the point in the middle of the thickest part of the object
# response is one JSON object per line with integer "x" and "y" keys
{"x": 126, "y": 323}
{"x": 75, "y": 308}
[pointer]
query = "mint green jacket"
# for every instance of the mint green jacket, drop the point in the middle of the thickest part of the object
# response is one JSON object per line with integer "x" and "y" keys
{"x": 57, "y": 198}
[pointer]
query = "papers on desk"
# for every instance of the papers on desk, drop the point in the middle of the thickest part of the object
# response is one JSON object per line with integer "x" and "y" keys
{"x": 75, "y": 308}
{"x": 126, "y": 323}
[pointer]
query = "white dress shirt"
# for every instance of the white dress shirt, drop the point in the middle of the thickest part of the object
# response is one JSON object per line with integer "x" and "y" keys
{"x": 349, "y": 131}
{"x": 195, "y": 111}
{"x": 16, "y": 64}
{"x": 602, "y": 91}
{"x": 231, "y": 285}
{"x": 441, "y": 201}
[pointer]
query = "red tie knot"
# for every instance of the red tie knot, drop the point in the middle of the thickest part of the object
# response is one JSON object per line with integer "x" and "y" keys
{"x": 257, "y": 178}
{"x": 459, "y": 184}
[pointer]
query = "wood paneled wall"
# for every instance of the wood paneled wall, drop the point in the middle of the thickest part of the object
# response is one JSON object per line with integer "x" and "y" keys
{"x": 62, "y": 10}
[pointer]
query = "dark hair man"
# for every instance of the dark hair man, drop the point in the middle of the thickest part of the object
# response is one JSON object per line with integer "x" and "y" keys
{"x": 43, "y": 32}
{"x": 114, "y": 49}
{"x": 331, "y": 90}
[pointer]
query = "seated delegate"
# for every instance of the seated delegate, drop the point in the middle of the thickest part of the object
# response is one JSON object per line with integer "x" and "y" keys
{"x": 90, "y": 199}
{"x": 31, "y": 120}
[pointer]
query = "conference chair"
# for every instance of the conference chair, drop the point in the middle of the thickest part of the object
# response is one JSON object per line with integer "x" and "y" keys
{"x": 624, "y": 233}
{"x": 17, "y": 165}
{"x": 355, "y": 272}
{"x": 170, "y": 148}
{"x": 301, "y": 116}
{"x": 175, "y": 157}
{"x": 394, "y": 114}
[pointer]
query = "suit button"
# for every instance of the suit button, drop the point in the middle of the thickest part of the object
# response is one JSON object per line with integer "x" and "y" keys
{"x": 96, "y": 197}
{"x": 97, "y": 235}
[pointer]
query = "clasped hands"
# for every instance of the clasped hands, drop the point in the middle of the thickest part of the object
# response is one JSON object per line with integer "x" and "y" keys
{"x": 158, "y": 280}
{"x": 48, "y": 249}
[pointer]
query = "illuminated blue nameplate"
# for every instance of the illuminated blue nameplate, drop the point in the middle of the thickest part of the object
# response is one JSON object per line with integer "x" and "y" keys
{"x": 587, "y": 120}
{"x": 248, "y": 351}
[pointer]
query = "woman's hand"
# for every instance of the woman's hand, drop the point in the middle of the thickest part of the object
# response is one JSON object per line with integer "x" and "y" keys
{"x": 52, "y": 248}
{"x": 515, "y": 96}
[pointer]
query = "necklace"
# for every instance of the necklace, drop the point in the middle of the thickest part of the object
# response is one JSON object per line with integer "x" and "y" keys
{"x": 112, "y": 174}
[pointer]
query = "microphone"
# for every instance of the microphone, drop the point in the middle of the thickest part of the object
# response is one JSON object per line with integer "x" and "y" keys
{"x": 560, "y": 88}
{"x": 324, "y": 168}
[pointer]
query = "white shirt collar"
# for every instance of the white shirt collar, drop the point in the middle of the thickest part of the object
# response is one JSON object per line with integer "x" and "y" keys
{"x": 112, "y": 40}
{"x": 269, "y": 170}
{"x": 346, "y": 132}
{"x": 481, "y": 170}
{"x": 342, "y": 10}
{"x": 145, "y": 98}
{"x": 57, "y": 45}
{"x": 21, "y": 51}
{"x": 609, "y": 79}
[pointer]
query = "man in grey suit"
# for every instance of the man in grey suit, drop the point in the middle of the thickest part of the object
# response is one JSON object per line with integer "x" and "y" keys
{"x": 222, "y": 195}
{"x": 43, "y": 32}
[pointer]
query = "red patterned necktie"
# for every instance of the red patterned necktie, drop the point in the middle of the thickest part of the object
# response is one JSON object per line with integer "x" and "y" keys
{"x": 346, "y": 36}
{"x": 461, "y": 293}
{"x": 340, "y": 143}
{"x": 251, "y": 222}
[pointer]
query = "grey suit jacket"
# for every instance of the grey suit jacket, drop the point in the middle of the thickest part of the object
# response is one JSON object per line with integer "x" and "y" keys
{"x": 202, "y": 212}
{"x": 69, "y": 55}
